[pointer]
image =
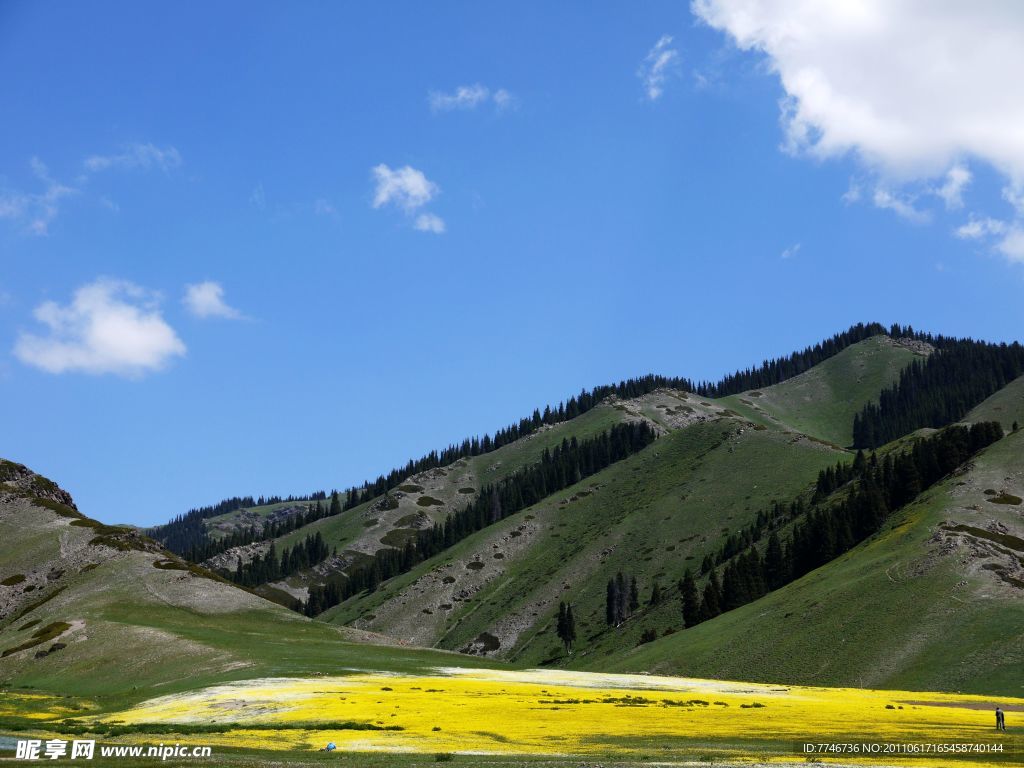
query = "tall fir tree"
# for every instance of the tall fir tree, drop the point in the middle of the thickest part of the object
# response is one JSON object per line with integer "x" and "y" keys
{"x": 691, "y": 600}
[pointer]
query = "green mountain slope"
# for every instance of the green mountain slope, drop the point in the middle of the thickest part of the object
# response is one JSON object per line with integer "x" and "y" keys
{"x": 822, "y": 401}
{"x": 651, "y": 516}
{"x": 1006, "y": 406}
{"x": 98, "y": 611}
{"x": 931, "y": 602}
{"x": 717, "y": 465}
{"x": 430, "y": 496}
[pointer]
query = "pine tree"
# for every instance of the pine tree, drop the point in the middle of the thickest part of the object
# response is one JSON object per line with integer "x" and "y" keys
{"x": 561, "y": 627}
{"x": 711, "y": 605}
{"x": 621, "y": 598}
{"x": 634, "y": 596}
{"x": 691, "y": 600}
{"x": 611, "y": 604}
{"x": 774, "y": 564}
{"x": 655, "y": 595}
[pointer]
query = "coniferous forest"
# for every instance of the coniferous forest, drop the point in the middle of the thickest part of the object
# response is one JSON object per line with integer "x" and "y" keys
{"x": 567, "y": 464}
{"x": 938, "y": 390}
{"x": 852, "y": 501}
{"x": 269, "y": 567}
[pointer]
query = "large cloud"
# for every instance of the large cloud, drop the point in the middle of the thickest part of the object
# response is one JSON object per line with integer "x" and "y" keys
{"x": 110, "y": 326}
{"x": 914, "y": 88}
{"x": 911, "y": 85}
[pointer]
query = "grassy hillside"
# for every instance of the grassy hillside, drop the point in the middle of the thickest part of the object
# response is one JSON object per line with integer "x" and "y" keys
{"x": 932, "y": 602}
{"x": 652, "y": 515}
{"x": 430, "y": 496}
{"x": 1006, "y": 406}
{"x": 90, "y": 611}
{"x": 443, "y": 484}
{"x": 822, "y": 401}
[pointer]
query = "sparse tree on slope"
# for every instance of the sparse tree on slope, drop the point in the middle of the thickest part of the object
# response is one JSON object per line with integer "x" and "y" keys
{"x": 691, "y": 600}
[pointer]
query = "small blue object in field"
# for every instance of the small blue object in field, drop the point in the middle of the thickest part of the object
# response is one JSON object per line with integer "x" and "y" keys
{"x": 330, "y": 746}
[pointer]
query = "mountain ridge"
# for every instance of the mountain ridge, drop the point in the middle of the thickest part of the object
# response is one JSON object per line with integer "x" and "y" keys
{"x": 720, "y": 469}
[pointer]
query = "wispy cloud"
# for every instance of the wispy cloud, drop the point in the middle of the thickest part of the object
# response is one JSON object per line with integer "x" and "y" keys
{"x": 324, "y": 207}
{"x": 110, "y": 326}
{"x": 258, "y": 197}
{"x": 428, "y": 222}
{"x": 136, "y": 156}
{"x": 37, "y": 210}
{"x": 657, "y": 66}
{"x": 904, "y": 208}
{"x": 1006, "y": 238}
{"x": 957, "y": 179}
{"x": 504, "y": 99}
{"x": 976, "y": 228}
{"x": 468, "y": 97}
{"x": 791, "y": 251}
{"x": 206, "y": 300}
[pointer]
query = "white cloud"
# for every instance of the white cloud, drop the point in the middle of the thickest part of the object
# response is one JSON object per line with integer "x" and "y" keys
{"x": 463, "y": 97}
{"x": 852, "y": 193}
{"x": 976, "y": 229}
{"x": 888, "y": 200}
{"x": 1012, "y": 245}
{"x": 951, "y": 192}
{"x": 910, "y": 86}
{"x": 915, "y": 89}
{"x": 468, "y": 97}
{"x": 657, "y": 66}
{"x": 791, "y": 251}
{"x": 1014, "y": 195}
{"x": 404, "y": 187}
{"x": 141, "y": 156}
{"x": 206, "y": 299}
{"x": 503, "y": 99}
{"x": 37, "y": 210}
{"x": 1009, "y": 236}
{"x": 409, "y": 190}
{"x": 110, "y": 326}
{"x": 428, "y": 222}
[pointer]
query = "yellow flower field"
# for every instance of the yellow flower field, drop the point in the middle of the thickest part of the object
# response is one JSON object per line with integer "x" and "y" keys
{"x": 545, "y": 712}
{"x": 37, "y": 706}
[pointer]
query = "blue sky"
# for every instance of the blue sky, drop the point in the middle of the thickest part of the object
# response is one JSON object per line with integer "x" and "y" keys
{"x": 273, "y": 248}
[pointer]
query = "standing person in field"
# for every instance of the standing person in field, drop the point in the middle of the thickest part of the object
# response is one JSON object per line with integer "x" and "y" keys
{"x": 1000, "y": 720}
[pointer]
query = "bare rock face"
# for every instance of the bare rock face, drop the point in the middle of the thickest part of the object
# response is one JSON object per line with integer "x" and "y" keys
{"x": 915, "y": 345}
{"x": 18, "y": 480}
